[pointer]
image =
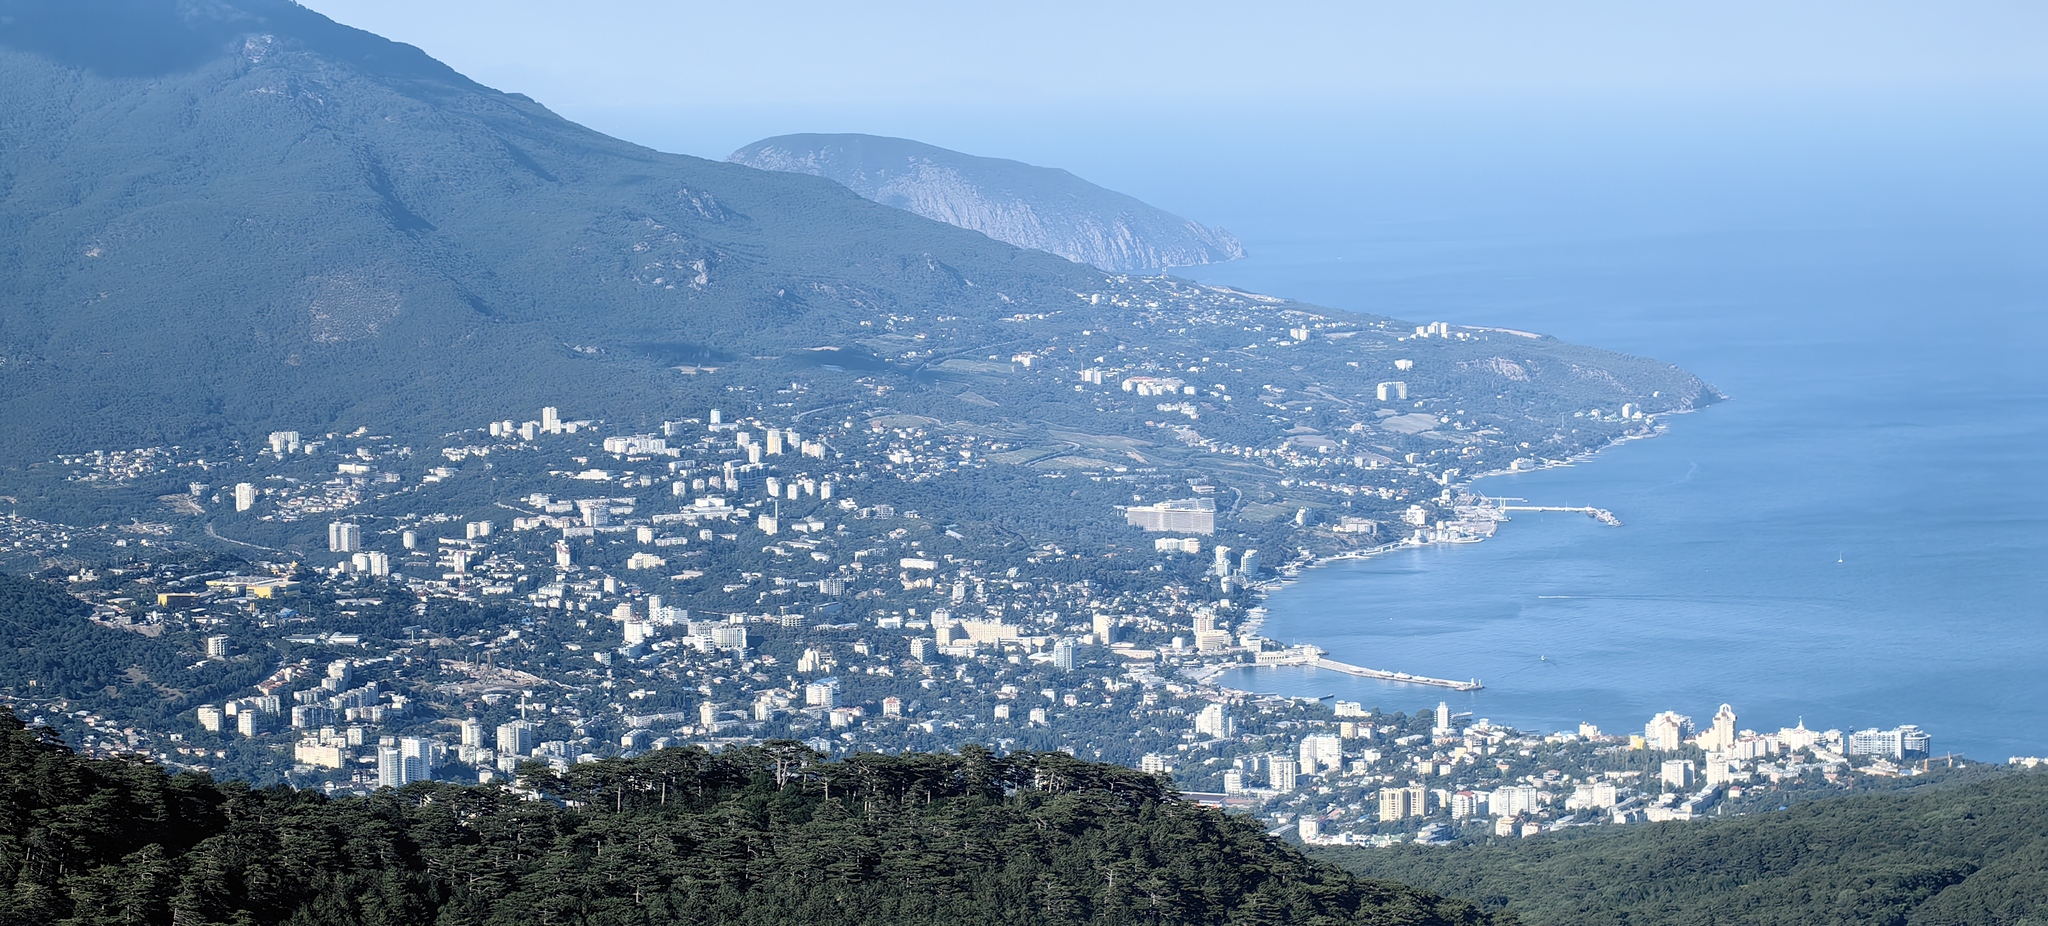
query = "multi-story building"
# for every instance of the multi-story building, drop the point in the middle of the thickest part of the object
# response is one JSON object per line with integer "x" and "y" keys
{"x": 1182, "y": 516}
{"x": 1721, "y": 735}
{"x": 1906, "y": 742}
{"x": 1514, "y": 800}
{"x": 1666, "y": 731}
{"x": 1399, "y": 803}
{"x": 1322, "y": 753}
{"x": 515, "y": 738}
{"x": 1467, "y": 804}
{"x": 1215, "y": 721}
{"x": 1283, "y": 773}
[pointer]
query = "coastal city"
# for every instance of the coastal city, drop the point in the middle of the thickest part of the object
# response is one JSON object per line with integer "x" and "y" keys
{"x": 563, "y": 591}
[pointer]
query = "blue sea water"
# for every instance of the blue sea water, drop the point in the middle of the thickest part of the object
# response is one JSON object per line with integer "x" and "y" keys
{"x": 1858, "y": 537}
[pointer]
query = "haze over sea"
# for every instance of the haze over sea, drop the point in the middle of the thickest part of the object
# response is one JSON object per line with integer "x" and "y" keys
{"x": 1857, "y": 538}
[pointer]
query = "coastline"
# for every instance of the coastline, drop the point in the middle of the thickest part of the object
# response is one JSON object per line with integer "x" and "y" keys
{"x": 1255, "y": 622}
{"x": 1653, "y": 430}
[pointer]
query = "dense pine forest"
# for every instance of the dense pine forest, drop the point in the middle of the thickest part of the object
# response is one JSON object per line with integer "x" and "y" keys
{"x": 770, "y": 834}
{"x": 1952, "y": 855}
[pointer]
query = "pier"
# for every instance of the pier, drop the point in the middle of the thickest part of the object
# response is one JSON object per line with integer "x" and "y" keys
{"x": 1601, "y": 515}
{"x": 1385, "y": 676}
{"x": 1313, "y": 657}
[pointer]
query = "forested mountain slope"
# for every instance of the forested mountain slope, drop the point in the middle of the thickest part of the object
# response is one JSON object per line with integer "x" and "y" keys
{"x": 1969, "y": 855}
{"x": 767, "y": 835}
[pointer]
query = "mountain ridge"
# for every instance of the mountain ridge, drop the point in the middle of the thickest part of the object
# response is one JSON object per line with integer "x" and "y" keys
{"x": 1043, "y": 208}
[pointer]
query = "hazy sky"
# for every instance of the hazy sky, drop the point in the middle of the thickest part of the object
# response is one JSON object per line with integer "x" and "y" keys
{"x": 1437, "y": 100}
{"x": 665, "y": 56}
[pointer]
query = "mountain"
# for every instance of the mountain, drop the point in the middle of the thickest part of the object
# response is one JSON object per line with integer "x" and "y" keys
{"x": 220, "y": 218}
{"x": 768, "y": 834}
{"x": 1031, "y": 207}
{"x": 1954, "y": 853}
{"x": 228, "y": 216}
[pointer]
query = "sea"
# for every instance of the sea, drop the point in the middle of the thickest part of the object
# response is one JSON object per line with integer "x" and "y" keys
{"x": 1857, "y": 537}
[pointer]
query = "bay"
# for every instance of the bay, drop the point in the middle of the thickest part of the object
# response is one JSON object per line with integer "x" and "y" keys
{"x": 1856, "y": 538}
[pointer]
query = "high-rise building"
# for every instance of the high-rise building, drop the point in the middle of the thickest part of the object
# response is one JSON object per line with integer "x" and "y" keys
{"x": 1215, "y": 721}
{"x": 1063, "y": 655}
{"x": 1721, "y": 735}
{"x": 1249, "y": 564}
{"x": 1105, "y": 629}
{"x": 515, "y": 738}
{"x": 418, "y": 755}
{"x": 473, "y": 733}
{"x": 216, "y": 647}
{"x": 1394, "y": 804}
{"x": 245, "y": 496}
{"x": 1322, "y": 753}
{"x": 1283, "y": 773}
{"x": 344, "y": 537}
{"x": 390, "y": 767}
{"x": 1666, "y": 731}
{"x": 1443, "y": 718}
{"x": 1677, "y": 773}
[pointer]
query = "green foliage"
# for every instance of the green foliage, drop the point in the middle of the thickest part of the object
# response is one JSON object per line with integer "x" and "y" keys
{"x": 767, "y": 835}
{"x": 50, "y": 649}
{"x": 1961, "y": 854}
